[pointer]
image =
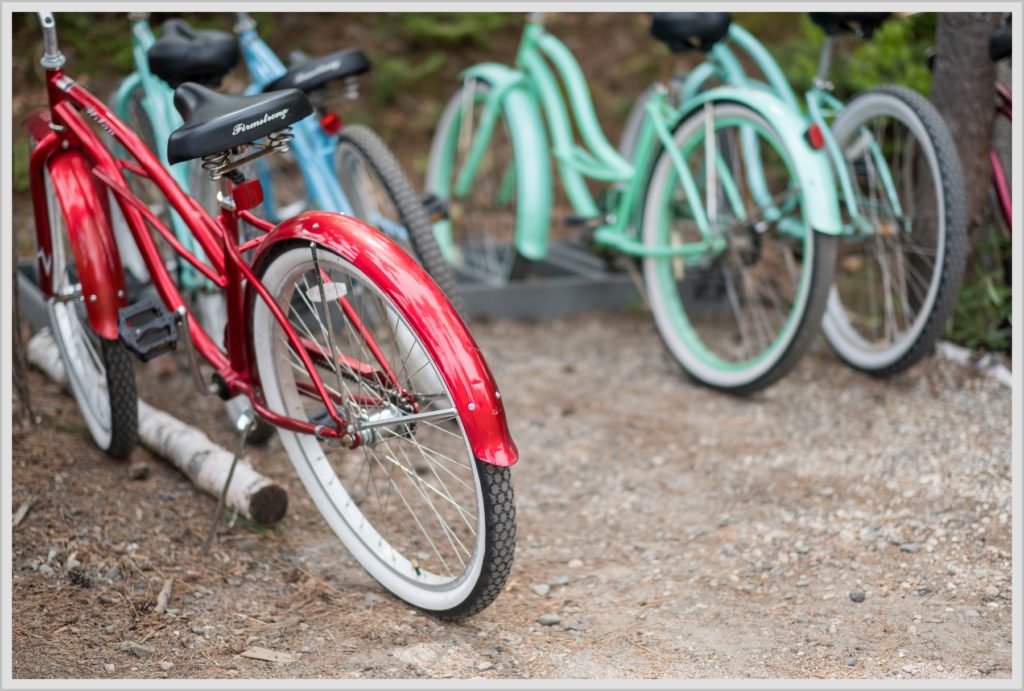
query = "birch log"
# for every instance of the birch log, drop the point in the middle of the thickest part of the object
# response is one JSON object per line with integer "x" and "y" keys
{"x": 193, "y": 453}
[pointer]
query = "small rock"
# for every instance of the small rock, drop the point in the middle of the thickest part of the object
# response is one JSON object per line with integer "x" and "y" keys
{"x": 137, "y": 649}
{"x": 857, "y": 596}
{"x": 484, "y": 666}
{"x": 971, "y": 612}
{"x": 114, "y": 573}
{"x": 561, "y": 580}
{"x": 305, "y": 649}
{"x": 910, "y": 547}
{"x": 371, "y": 599}
{"x": 827, "y": 492}
{"x": 110, "y": 628}
{"x": 109, "y": 667}
{"x": 987, "y": 668}
{"x": 138, "y": 470}
{"x": 911, "y": 669}
{"x": 46, "y": 570}
{"x": 197, "y": 629}
{"x": 303, "y": 626}
{"x": 549, "y": 619}
{"x": 991, "y": 592}
{"x": 166, "y": 665}
{"x": 850, "y": 662}
{"x": 542, "y": 589}
{"x": 575, "y": 563}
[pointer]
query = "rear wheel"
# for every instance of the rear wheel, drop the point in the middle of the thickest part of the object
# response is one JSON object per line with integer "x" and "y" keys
{"x": 742, "y": 305}
{"x": 99, "y": 371}
{"x": 382, "y": 196}
{"x": 898, "y": 277}
{"x": 416, "y": 509}
{"x": 478, "y": 235}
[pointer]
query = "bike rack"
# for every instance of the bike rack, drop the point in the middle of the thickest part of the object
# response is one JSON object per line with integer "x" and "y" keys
{"x": 570, "y": 280}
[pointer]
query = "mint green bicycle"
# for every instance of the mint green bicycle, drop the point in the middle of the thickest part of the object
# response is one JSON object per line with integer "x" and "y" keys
{"x": 904, "y": 241}
{"x": 737, "y": 259}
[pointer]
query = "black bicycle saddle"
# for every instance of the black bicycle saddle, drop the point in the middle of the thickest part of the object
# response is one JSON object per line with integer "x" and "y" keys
{"x": 684, "y": 31}
{"x": 1000, "y": 43}
{"x": 183, "y": 54}
{"x": 312, "y": 74}
{"x": 860, "y": 23}
{"x": 215, "y": 122}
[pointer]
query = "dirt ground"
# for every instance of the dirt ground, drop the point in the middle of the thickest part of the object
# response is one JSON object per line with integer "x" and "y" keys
{"x": 834, "y": 526}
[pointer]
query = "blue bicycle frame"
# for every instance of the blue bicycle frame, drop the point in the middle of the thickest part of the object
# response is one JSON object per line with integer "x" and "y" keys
{"x": 312, "y": 146}
{"x": 158, "y": 102}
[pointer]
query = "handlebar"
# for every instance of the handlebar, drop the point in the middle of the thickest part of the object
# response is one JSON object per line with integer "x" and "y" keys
{"x": 52, "y": 57}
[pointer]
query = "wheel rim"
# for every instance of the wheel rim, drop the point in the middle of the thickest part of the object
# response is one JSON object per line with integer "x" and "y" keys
{"x": 80, "y": 348}
{"x": 371, "y": 202}
{"x": 481, "y": 224}
{"x": 728, "y": 315}
{"x": 408, "y": 506}
{"x": 887, "y": 280}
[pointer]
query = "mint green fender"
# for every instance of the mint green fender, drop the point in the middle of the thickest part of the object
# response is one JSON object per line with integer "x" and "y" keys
{"x": 511, "y": 93}
{"x": 813, "y": 169}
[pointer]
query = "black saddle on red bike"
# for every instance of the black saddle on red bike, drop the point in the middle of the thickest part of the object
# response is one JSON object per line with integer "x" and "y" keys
{"x": 683, "y": 31}
{"x": 183, "y": 54}
{"x": 216, "y": 122}
{"x": 318, "y": 72}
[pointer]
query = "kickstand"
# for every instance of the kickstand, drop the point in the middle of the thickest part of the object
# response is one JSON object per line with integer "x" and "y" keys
{"x": 244, "y": 425}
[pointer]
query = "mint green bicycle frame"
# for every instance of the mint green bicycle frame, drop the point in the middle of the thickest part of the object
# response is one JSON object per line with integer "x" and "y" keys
{"x": 156, "y": 95}
{"x": 521, "y": 93}
{"x": 821, "y": 105}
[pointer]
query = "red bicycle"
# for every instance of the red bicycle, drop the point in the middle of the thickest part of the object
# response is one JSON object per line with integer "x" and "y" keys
{"x": 383, "y": 401}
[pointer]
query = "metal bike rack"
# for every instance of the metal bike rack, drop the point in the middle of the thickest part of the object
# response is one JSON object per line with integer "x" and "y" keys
{"x": 570, "y": 280}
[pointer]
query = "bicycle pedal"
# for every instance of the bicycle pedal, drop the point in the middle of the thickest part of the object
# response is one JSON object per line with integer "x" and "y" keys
{"x": 147, "y": 328}
{"x": 436, "y": 208}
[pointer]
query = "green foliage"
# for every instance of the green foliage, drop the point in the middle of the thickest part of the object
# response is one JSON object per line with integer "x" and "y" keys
{"x": 445, "y": 29}
{"x": 395, "y": 73}
{"x": 19, "y": 167}
{"x": 895, "y": 54}
{"x": 98, "y": 46}
{"x": 983, "y": 314}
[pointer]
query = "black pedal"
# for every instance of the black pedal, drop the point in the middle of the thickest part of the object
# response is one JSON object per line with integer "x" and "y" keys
{"x": 147, "y": 328}
{"x": 436, "y": 208}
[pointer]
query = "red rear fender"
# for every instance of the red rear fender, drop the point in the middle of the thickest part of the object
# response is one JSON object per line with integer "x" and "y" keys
{"x": 427, "y": 310}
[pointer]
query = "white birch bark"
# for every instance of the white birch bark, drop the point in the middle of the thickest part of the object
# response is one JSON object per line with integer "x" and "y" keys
{"x": 204, "y": 462}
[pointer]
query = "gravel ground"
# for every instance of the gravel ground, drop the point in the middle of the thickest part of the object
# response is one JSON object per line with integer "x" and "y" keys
{"x": 834, "y": 526}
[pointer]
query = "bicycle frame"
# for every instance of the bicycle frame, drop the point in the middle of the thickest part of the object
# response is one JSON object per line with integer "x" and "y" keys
{"x": 598, "y": 160}
{"x": 1005, "y": 108}
{"x": 313, "y": 146}
{"x": 158, "y": 102}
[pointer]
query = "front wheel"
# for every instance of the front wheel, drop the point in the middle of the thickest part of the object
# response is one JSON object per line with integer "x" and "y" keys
{"x": 741, "y": 302}
{"x": 416, "y": 509}
{"x": 99, "y": 371}
{"x": 900, "y": 268}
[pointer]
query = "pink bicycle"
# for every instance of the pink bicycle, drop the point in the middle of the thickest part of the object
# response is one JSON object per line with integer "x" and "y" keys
{"x": 383, "y": 401}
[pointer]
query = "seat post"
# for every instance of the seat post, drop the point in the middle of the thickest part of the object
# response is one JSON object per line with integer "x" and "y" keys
{"x": 824, "y": 63}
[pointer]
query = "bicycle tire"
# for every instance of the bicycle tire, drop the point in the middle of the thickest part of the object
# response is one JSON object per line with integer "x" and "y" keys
{"x": 928, "y": 127}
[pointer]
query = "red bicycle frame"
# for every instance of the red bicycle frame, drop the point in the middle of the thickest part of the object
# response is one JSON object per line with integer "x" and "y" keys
{"x": 1005, "y": 108}
{"x": 86, "y": 172}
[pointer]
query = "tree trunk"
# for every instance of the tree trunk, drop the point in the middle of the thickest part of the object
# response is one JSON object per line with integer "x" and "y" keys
{"x": 963, "y": 89}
